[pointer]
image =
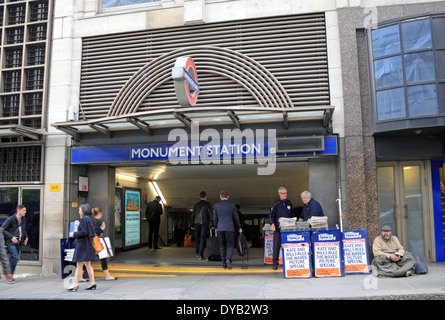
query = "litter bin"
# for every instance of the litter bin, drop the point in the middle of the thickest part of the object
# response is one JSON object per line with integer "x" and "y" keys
{"x": 296, "y": 253}
{"x": 328, "y": 253}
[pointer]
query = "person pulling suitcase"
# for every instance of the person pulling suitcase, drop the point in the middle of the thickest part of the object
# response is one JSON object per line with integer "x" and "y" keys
{"x": 226, "y": 222}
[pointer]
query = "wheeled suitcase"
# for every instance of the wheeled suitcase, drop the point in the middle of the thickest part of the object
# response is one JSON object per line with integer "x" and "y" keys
{"x": 212, "y": 244}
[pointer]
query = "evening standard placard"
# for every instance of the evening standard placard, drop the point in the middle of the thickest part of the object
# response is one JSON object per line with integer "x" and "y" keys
{"x": 268, "y": 248}
{"x": 328, "y": 253}
{"x": 355, "y": 249}
{"x": 296, "y": 249}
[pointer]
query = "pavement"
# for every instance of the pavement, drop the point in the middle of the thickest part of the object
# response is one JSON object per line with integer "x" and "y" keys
{"x": 176, "y": 275}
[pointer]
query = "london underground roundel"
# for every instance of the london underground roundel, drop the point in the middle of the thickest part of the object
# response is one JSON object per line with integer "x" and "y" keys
{"x": 186, "y": 81}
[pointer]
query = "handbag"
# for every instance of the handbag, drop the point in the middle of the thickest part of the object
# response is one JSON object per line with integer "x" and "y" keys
{"x": 106, "y": 252}
{"x": 98, "y": 247}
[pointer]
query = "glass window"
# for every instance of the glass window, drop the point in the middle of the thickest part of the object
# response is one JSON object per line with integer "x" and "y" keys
{"x": 31, "y": 199}
{"x": 119, "y": 3}
{"x": 419, "y": 66}
{"x": 416, "y": 35}
{"x": 387, "y": 197}
{"x": 391, "y": 104}
{"x": 388, "y": 72}
{"x": 408, "y": 73}
{"x": 438, "y": 27}
{"x": 9, "y": 198}
{"x": 422, "y": 100}
{"x": 440, "y": 61}
{"x": 385, "y": 41}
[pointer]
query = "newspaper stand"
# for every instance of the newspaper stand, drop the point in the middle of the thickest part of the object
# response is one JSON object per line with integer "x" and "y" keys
{"x": 66, "y": 244}
{"x": 296, "y": 253}
{"x": 355, "y": 249}
{"x": 268, "y": 246}
{"x": 328, "y": 253}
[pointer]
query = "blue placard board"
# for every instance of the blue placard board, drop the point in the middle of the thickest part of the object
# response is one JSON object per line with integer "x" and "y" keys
{"x": 355, "y": 250}
{"x": 296, "y": 253}
{"x": 328, "y": 253}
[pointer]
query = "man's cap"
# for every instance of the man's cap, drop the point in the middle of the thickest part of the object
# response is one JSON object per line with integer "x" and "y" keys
{"x": 386, "y": 228}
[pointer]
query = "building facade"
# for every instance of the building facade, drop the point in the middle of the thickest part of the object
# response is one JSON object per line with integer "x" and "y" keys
{"x": 341, "y": 98}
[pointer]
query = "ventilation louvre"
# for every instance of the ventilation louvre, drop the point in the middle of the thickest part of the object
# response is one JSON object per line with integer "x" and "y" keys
{"x": 292, "y": 48}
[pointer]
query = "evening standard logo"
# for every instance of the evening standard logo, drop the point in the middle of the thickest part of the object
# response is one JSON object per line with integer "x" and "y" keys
{"x": 352, "y": 235}
{"x": 326, "y": 237}
{"x": 295, "y": 237}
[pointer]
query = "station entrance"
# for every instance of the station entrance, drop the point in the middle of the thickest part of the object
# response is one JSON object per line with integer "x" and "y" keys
{"x": 179, "y": 187}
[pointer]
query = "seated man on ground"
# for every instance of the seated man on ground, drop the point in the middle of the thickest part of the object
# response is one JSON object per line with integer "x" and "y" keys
{"x": 391, "y": 260}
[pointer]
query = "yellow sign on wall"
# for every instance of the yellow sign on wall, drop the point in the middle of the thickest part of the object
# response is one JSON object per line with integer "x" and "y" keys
{"x": 54, "y": 187}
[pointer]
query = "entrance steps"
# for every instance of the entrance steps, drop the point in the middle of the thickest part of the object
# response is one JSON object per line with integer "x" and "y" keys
{"x": 176, "y": 261}
{"x": 148, "y": 271}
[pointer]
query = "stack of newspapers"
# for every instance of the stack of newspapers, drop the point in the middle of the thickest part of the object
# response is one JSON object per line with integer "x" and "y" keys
{"x": 319, "y": 222}
{"x": 69, "y": 254}
{"x": 302, "y": 225}
{"x": 288, "y": 223}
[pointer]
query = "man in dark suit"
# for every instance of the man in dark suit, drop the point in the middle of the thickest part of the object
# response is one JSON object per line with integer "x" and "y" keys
{"x": 153, "y": 214}
{"x": 226, "y": 221}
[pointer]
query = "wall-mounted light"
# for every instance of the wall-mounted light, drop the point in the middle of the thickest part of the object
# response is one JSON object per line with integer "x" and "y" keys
{"x": 128, "y": 175}
{"x": 157, "y": 190}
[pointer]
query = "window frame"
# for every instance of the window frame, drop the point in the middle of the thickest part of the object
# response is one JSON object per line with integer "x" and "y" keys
{"x": 409, "y": 121}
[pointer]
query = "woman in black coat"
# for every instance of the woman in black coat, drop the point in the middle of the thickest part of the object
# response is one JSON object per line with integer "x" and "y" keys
{"x": 84, "y": 252}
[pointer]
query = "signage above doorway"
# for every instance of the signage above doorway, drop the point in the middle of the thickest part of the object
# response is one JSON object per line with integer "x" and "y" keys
{"x": 186, "y": 81}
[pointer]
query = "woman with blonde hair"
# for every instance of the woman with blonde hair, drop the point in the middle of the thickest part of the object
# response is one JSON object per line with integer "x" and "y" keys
{"x": 99, "y": 228}
{"x": 84, "y": 252}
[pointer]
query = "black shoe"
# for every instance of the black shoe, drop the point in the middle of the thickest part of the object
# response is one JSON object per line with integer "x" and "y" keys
{"x": 93, "y": 287}
{"x": 157, "y": 248}
{"x": 275, "y": 267}
{"x": 229, "y": 264}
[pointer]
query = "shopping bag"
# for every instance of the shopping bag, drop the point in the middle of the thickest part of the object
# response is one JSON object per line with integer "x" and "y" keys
{"x": 107, "y": 251}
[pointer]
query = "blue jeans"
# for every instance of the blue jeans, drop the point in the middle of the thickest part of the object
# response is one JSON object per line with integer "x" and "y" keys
{"x": 200, "y": 238}
{"x": 14, "y": 251}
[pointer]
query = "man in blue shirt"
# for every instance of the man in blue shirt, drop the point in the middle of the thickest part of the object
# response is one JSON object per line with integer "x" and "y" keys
{"x": 311, "y": 207}
{"x": 281, "y": 208}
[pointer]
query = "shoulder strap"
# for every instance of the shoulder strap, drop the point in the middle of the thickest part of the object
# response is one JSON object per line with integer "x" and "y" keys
{"x": 92, "y": 227}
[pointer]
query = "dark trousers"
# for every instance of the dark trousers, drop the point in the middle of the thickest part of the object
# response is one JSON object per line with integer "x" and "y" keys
{"x": 200, "y": 238}
{"x": 153, "y": 233}
{"x": 276, "y": 247}
{"x": 226, "y": 240}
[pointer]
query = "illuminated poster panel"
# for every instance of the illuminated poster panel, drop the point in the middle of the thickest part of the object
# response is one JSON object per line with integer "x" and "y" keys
{"x": 132, "y": 221}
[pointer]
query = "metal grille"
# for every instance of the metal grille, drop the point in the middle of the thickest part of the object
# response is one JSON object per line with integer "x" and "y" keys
{"x": 20, "y": 164}
{"x": 292, "y": 48}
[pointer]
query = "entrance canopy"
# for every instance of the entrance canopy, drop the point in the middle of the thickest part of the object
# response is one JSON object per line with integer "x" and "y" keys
{"x": 270, "y": 100}
{"x": 179, "y": 117}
